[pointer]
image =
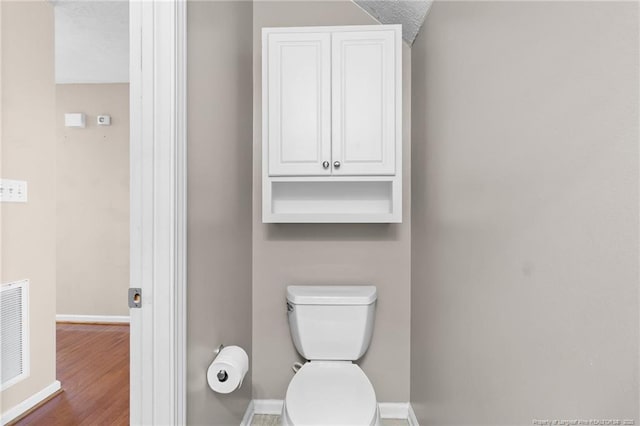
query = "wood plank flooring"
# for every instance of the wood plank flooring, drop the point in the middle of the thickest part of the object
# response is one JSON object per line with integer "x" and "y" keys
{"x": 93, "y": 367}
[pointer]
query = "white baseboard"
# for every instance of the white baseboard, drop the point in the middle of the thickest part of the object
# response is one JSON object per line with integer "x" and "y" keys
{"x": 29, "y": 403}
{"x": 115, "y": 319}
{"x": 388, "y": 410}
{"x": 412, "y": 419}
{"x": 394, "y": 410}
{"x": 267, "y": 406}
{"x": 248, "y": 415}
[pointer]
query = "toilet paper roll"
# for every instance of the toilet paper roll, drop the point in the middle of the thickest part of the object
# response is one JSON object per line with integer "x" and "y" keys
{"x": 226, "y": 372}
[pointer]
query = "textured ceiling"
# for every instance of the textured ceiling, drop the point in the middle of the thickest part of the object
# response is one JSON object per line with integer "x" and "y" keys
{"x": 92, "y": 36}
{"x": 92, "y": 41}
{"x": 409, "y": 13}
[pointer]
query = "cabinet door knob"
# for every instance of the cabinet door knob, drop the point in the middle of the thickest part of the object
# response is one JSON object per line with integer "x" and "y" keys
{"x": 336, "y": 164}
{"x": 325, "y": 164}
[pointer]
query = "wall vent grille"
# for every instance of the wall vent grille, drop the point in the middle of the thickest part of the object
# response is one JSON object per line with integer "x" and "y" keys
{"x": 14, "y": 332}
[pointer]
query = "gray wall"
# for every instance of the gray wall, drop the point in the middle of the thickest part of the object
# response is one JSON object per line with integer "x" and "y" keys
{"x": 219, "y": 194}
{"x": 525, "y": 213}
{"x": 285, "y": 254}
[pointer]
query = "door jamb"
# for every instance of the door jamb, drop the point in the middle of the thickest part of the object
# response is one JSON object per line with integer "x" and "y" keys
{"x": 158, "y": 211}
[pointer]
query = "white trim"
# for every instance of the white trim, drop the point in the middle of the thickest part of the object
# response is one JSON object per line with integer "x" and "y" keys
{"x": 394, "y": 410}
{"x": 315, "y": 29}
{"x": 29, "y": 403}
{"x": 412, "y": 419}
{"x": 248, "y": 415}
{"x": 158, "y": 207}
{"x": 273, "y": 407}
{"x": 137, "y": 406}
{"x": 267, "y": 406}
{"x": 180, "y": 80}
{"x": 115, "y": 319}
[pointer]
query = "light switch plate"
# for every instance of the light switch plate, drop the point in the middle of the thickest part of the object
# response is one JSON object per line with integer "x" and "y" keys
{"x": 13, "y": 191}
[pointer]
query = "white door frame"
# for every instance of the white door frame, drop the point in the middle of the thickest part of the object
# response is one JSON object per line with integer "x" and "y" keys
{"x": 158, "y": 211}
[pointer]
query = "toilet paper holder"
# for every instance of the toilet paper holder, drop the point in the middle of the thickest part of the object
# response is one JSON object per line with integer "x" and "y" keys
{"x": 228, "y": 369}
{"x": 222, "y": 375}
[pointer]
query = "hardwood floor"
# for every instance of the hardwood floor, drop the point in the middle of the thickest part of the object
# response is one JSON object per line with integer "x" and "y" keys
{"x": 93, "y": 367}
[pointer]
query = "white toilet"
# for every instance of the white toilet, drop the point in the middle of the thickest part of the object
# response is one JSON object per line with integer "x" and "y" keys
{"x": 331, "y": 327}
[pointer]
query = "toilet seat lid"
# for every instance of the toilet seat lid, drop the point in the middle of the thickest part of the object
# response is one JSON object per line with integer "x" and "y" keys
{"x": 331, "y": 393}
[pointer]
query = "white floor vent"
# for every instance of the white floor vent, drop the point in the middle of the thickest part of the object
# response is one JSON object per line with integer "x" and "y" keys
{"x": 14, "y": 332}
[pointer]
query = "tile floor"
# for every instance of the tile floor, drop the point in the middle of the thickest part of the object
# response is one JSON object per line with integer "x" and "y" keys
{"x": 270, "y": 420}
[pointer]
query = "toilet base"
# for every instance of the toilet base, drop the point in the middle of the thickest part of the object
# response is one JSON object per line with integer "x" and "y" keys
{"x": 286, "y": 421}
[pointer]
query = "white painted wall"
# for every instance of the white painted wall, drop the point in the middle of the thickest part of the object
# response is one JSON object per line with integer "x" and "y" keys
{"x": 92, "y": 41}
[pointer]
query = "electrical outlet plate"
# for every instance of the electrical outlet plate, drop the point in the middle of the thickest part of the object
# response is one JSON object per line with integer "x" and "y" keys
{"x": 13, "y": 191}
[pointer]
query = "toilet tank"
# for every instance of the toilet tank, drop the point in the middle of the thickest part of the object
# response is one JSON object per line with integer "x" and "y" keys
{"x": 331, "y": 322}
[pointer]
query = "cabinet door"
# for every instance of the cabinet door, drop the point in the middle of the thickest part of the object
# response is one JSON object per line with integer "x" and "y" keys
{"x": 364, "y": 102}
{"x": 298, "y": 110}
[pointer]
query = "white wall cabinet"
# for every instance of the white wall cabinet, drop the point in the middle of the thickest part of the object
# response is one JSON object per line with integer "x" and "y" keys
{"x": 332, "y": 127}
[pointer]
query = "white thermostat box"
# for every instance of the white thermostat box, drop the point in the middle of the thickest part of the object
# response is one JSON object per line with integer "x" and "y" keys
{"x": 104, "y": 120}
{"x": 74, "y": 119}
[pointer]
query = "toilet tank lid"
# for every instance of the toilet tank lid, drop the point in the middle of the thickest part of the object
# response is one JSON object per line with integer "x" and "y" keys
{"x": 331, "y": 295}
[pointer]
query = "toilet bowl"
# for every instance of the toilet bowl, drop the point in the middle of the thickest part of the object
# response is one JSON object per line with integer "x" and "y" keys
{"x": 331, "y": 326}
{"x": 330, "y": 393}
